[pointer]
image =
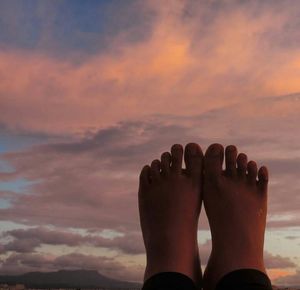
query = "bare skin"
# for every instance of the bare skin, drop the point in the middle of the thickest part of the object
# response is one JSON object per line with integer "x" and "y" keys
{"x": 235, "y": 201}
{"x": 169, "y": 205}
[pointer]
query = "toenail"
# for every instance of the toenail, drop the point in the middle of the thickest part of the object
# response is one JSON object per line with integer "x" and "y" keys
{"x": 231, "y": 148}
{"x": 193, "y": 150}
{"x": 215, "y": 150}
{"x": 176, "y": 147}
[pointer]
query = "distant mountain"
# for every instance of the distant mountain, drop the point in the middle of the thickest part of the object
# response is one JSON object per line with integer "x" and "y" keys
{"x": 67, "y": 279}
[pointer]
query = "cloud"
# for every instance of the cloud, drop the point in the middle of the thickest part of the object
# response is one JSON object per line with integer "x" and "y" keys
{"x": 28, "y": 240}
{"x": 292, "y": 237}
{"x": 24, "y": 262}
{"x": 185, "y": 71}
{"x": 204, "y": 252}
{"x": 191, "y": 61}
{"x": 277, "y": 261}
{"x": 92, "y": 181}
{"x": 64, "y": 28}
{"x": 292, "y": 280}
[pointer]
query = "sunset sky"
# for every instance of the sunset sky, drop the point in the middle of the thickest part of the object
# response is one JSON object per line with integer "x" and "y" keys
{"x": 90, "y": 91}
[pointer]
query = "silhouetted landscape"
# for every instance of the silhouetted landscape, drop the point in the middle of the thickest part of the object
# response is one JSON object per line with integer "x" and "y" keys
{"x": 67, "y": 279}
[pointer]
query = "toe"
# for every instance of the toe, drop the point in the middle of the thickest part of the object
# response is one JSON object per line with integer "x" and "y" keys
{"x": 193, "y": 158}
{"x": 177, "y": 153}
{"x": 213, "y": 160}
{"x": 252, "y": 171}
{"x": 155, "y": 170}
{"x": 241, "y": 161}
{"x": 165, "y": 163}
{"x": 145, "y": 176}
{"x": 230, "y": 160}
{"x": 263, "y": 178}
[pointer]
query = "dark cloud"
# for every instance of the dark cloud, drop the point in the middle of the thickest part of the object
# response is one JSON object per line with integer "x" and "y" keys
{"x": 64, "y": 28}
{"x": 25, "y": 262}
{"x": 92, "y": 182}
{"x": 277, "y": 261}
{"x": 22, "y": 246}
{"x": 28, "y": 240}
{"x": 292, "y": 237}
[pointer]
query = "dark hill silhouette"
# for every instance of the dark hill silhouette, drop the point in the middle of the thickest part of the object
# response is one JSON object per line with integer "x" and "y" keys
{"x": 67, "y": 279}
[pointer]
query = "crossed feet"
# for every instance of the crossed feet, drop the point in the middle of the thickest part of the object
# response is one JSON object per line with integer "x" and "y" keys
{"x": 235, "y": 201}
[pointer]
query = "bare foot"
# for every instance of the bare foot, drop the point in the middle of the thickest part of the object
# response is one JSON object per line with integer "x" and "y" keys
{"x": 236, "y": 206}
{"x": 169, "y": 204}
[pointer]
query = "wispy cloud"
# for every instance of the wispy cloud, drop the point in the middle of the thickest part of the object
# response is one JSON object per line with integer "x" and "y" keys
{"x": 192, "y": 61}
{"x": 28, "y": 240}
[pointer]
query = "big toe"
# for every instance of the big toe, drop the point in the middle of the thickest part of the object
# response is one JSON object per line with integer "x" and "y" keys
{"x": 213, "y": 160}
{"x": 193, "y": 158}
{"x": 230, "y": 160}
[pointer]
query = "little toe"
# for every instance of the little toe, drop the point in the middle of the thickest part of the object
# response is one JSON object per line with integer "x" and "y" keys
{"x": 155, "y": 170}
{"x": 193, "y": 158}
{"x": 165, "y": 163}
{"x": 213, "y": 160}
{"x": 263, "y": 178}
{"x": 252, "y": 171}
{"x": 230, "y": 160}
{"x": 177, "y": 153}
{"x": 145, "y": 176}
{"x": 241, "y": 161}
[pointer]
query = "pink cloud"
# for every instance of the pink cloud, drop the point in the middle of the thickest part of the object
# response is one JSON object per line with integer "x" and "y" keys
{"x": 92, "y": 181}
{"x": 28, "y": 240}
{"x": 187, "y": 81}
{"x": 277, "y": 261}
{"x": 183, "y": 67}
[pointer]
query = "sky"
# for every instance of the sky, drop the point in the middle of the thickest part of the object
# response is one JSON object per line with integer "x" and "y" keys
{"x": 90, "y": 91}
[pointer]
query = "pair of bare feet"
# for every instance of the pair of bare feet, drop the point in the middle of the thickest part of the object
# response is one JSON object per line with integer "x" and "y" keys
{"x": 235, "y": 201}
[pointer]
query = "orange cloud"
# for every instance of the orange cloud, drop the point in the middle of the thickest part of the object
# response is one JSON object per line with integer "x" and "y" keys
{"x": 279, "y": 273}
{"x": 182, "y": 67}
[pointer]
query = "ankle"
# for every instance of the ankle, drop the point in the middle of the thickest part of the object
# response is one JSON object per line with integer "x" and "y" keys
{"x": 186, "y": 262}
{"x": 222, "y": 264}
